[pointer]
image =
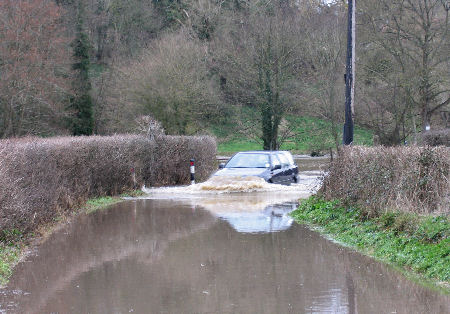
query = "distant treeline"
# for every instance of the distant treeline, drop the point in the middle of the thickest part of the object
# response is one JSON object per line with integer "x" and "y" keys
{"x": 97, "y": 66}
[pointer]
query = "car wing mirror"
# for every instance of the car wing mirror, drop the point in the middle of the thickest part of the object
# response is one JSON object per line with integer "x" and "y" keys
{"x": 221, "y": 165}
{"x": 276, "y": 167}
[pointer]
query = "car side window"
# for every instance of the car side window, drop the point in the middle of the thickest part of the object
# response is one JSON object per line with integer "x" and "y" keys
{"x": 290, "y": 158}
{"x": 275, "y": 160}
{"x": 284, "y": 160}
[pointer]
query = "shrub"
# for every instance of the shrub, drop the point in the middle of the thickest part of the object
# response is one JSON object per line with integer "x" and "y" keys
{"x": 41, "y": 178}
{"x": 410, "y": 179}
{"x": 436, "y": 138}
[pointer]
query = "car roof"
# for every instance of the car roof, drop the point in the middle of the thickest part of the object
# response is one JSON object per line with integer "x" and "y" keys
{"x": 261, "y": 152}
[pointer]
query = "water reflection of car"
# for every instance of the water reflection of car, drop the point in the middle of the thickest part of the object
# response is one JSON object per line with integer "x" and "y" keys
{"x": 273, "y": 166}
{"x": 273, "y": 218}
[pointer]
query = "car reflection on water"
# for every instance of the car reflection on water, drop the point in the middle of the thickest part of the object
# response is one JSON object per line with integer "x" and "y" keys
{"x": 273, "y": 218}
{"x": 249, "y": 204}
{"x": 256, "y": 212}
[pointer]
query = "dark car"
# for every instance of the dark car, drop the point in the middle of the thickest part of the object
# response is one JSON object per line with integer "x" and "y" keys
{"x": 272, "y": 166}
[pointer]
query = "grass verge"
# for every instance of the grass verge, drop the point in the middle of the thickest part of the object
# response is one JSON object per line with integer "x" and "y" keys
{"x": 417, "y": 245}
{"x": 10, "y": 253}
{"x": 13, "y": 244}
{"x": 95, "y": 204}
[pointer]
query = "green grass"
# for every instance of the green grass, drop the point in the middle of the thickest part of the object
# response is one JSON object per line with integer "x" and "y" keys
{"x": 419, "y": 245}
{"x": 237, "y": 145}
{"x": 9, "y": 256}
{"x": 310, "y": 134}
{"x": 313, "y": 134}
{"x": 10, "y": 251}
{"x": 99, "y": 203}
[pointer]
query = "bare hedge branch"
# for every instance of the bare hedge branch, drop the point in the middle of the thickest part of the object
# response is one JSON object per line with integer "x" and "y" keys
{"x": 411, "y": 179}
{"x": 436, "y": 138}
{"x": 41, "y": 178}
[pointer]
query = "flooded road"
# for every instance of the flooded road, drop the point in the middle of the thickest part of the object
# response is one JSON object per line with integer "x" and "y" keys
{"x": 206, "y": 250}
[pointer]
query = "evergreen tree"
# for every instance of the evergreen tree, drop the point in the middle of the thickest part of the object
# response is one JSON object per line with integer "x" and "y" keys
{"x": 82, "y": 122}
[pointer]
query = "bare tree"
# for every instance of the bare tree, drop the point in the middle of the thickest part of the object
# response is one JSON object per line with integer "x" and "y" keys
{"x": 171, "y": 82}
{"x": 116, "y": 28}
{"x": 326, "y": 54}
{"x": 258, "y": 55}
{"x": 414, "y": 35}
{"x": 34, "y": 63}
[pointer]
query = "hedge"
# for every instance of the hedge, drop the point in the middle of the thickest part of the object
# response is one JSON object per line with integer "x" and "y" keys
{"x": 42, "y": 178}
{"x": 410, "y": 179}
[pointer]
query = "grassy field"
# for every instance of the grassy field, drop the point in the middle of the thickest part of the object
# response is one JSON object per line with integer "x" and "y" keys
{"x": 310, "y": 135}
{"x": 418, "y": 245}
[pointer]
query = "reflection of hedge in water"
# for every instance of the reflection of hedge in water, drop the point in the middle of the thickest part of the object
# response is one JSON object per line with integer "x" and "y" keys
{"x": 184, "y": 262}
{"x": 40, "y": 178}
{"x": 138, "y": 230}
{"x": 404, "y": 178}
{"x": 296, "y": 271}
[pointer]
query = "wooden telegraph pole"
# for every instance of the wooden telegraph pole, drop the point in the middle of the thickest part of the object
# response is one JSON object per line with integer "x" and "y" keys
{"x": 350, "y": 75}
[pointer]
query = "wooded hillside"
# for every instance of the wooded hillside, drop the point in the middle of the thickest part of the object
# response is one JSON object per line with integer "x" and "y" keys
{"x": 104, "y": 66}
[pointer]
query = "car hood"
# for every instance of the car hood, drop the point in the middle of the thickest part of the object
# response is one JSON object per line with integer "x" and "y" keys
{"x": 242, "y": 172}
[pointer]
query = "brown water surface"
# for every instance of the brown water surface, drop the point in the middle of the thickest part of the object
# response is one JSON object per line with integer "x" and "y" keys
{"x": 223, "y": 254}
{"x": 306, "y": 163}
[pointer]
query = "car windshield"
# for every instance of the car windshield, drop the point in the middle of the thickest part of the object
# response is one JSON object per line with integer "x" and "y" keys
{"x": 249, "y": 161}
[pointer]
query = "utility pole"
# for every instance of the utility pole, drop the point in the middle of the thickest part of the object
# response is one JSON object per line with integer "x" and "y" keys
{"x": 350, "y": 75}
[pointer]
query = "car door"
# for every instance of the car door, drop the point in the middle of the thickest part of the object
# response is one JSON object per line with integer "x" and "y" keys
{"x": 277, "y": 174}
{"x": 285, "y": 167}
{"x": 293, "y": 168}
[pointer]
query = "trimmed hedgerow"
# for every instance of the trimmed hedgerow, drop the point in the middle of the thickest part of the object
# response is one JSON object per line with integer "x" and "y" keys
{"x": 42, "y": 178}
{"x": 436, "y": 138}
{"x": 409, "y": 179}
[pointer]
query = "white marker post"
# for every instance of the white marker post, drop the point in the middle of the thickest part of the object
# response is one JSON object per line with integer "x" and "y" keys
{"x": 192, "y": 171}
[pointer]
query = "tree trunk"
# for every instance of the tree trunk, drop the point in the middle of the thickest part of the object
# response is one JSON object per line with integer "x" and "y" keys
{"x": 269, "y": 128}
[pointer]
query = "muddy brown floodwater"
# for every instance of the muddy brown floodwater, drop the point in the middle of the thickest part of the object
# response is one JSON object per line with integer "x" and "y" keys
{"x": 200, "y": 250}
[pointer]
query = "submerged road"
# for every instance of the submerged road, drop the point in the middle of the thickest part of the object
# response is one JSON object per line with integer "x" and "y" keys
{"x": 195, "y": 250}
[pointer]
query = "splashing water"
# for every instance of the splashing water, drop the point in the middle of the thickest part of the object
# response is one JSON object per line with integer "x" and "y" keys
{"x": 232, "y": 184}
{"x": 248, "y": 204}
